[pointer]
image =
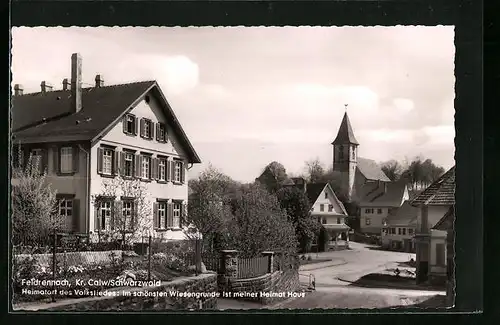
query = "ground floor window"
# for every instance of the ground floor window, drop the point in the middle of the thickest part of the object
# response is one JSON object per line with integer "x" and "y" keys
{"x": 105, "y": 213}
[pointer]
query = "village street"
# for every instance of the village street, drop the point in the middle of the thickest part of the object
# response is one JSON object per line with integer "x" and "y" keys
{"x": 333, "y": 287}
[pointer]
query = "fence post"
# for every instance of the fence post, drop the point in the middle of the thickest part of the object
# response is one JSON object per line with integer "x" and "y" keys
{"x": 229, "y": 266}
{"x": 149, "y": 259}
{"x": 54, "y": 265}
{"x": 197, "y": 253}
{"x": 270, "y": 261}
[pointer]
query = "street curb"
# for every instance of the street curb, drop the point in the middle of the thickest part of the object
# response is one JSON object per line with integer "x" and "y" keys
{"x": 341, "y": 262}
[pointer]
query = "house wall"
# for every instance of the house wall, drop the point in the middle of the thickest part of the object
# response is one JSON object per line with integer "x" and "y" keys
{"x": 376, "y": 219}
{"x": 386, "y": 239}
{"x": 116, "y": 137}
{"x": 437, "y": 237}
{"x": 330, "y": 217}
{"x": 72, "y": 184}
{"x": 435, "y": 213}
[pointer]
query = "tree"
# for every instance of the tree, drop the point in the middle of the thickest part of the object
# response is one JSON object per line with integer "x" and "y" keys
{"x": 209, "y": 207}
{"x": 35, "y": 215}
{"x": 132, "y": 215}
{"x": 273, "y": 176}
{"x": 421, "y": 173}
{"x": 296, "y": 204}
{"x": 259, "y": 223}
{"x": 315, "y": 170}
{"x": 393, "y": 169}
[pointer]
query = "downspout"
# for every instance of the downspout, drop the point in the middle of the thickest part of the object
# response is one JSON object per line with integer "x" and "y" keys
{"x": 87, "y": 191}
{"x": 190, "y": 165}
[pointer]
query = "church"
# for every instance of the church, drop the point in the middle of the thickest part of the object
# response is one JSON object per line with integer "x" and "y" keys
{"x": 363, "y": 183}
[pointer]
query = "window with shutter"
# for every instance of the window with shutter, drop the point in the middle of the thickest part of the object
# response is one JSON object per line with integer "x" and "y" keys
{"x": 107, "y": 161}
{"x": 129, "y": 122}
{"x": 143, "y": 122}
{"x": 137, "y": 166}
{"x": 170, "y": 215}
{"x": 162, "y": 170}
{"x": 177, "y": 207}
{"x": 66, "y": 160}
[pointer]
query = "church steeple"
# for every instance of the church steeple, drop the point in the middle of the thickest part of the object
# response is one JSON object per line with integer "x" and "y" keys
{"x": 345, "y": 156}
{"x": 345, "y": 134}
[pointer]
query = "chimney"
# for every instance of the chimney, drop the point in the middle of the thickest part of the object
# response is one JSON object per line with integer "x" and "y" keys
{"x": 66, "y": 84}
{"x": 18, "y": 90}
{"x": 76, "y": 82}
{"x": 99, "y": 81}
{"x": 45, "y": 87}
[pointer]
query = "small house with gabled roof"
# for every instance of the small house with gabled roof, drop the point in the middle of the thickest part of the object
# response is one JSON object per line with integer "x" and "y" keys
{"x": 328, "y": 210}
{"x": 81, "y": 136}
{"x": 436, "y": 209}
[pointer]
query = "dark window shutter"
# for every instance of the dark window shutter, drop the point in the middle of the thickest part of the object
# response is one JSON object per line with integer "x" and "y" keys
{"x": 56, "y": 155}
{"x": 99, "y": 160}
{"x": 183, "y": 174}
{"x": 76, "y": 215}
{"x": 135, "y": 215}
{"x": 137, "y": 166}
{"x": 142, "y": 127}
{"x": 45, "y": 160}
{"x": 182, "y": 216}
{"x": 122, "y": 163}
{"x": 168, "y": 170}
{"x": 76, "y": 158}
{"x": 170, "y": 214}
{"x": 172, "y": 170}
{"x": 157, "y": 131}
{"x": 124, "y": 122}
{"x": 151, "y": 130}
{"x": 136, "y": 125}
{"x": 152, "y": 163}
{"x": 156, "y": 217}
{"x": 116, "y": 162}
{"x": 113, "y": 213}
{"x": 97, "y": 225}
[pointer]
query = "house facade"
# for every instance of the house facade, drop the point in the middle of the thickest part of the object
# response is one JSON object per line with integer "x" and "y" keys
{"x": 363, "y": 182}
{"x": 433, "y": 203}
{"x": 329, "y": 211}
{"x": 399, "y": 228}
{"x": 85, "y": 138}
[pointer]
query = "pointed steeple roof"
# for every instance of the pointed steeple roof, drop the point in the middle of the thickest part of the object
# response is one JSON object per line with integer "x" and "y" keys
{"x": 345, "y": 135}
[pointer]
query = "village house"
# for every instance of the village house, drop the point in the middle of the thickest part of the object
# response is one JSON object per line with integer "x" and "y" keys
{"x": 83, "y": 136}
{"x": 329, "y": 211}
{"x": 364, "y": 183}
{"x": 399, "y": 228}
{"x": 435, "y": 203}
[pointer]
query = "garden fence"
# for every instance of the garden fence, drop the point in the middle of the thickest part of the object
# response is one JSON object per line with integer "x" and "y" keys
{"x": 252, "y": 267}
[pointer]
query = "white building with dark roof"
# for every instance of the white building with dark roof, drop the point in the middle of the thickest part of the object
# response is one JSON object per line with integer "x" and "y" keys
{"x": 84, "y": 136}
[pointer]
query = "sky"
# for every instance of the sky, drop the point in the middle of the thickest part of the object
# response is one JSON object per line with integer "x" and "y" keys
{"x": 247, "y": 96}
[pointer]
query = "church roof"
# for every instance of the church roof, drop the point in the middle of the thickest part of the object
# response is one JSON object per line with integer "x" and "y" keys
{"x": 345, "y": 134}
{"x": 371, "y": 170}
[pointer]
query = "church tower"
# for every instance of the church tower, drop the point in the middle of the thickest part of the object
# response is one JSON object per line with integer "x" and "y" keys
{"x": 345, "y": 156}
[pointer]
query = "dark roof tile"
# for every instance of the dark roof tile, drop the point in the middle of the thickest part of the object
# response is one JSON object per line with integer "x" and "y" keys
{"x": 47, "y": 115}
{"x": 404, "y": 215}
{"x": 381, "y": 194}
{"x": 440, "y": 192}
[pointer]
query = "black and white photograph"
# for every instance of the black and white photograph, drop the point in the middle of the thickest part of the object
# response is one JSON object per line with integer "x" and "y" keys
{"x": 232, "y": 168}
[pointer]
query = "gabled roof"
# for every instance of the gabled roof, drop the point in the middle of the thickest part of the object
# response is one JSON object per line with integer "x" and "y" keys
{"x": 447, "y": 221}
{"x": 314, "y": 190}
{"x": 345, "y": 134}
{"x": 46, "y": 117}
{"x": 371, "y": 170}
{"x": 440, "y": 192}
{"x": 406, "y": 214}
{"x": 381, "y": 194}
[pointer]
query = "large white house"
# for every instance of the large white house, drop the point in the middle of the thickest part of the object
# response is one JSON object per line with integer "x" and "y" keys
{"x": 84, "y": 136}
